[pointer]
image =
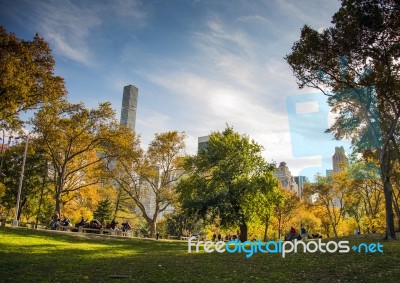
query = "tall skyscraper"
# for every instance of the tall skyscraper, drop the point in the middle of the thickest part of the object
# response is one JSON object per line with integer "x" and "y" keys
{"x": 129, "y": 106}
{"x": 339, "y": 159}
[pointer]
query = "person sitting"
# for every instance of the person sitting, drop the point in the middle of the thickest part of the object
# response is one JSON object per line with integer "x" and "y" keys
{"x": 112, "y": 225}
{"x": 303, "y": 232}
{"x": 81, "y": 223}
{"x": 95, "y": 224}
{"x": 66, "y": 222}
{"x": 292, "y": 233}
{"x": 126, "y": 226}
{"x": 55, "y": 221}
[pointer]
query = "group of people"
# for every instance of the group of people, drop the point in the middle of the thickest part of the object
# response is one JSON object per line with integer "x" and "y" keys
{"x": 56, "y": 222}
{"x": 227, "y": 237}
{"x": 95, "y": 224}
{"x": 294, "y": 235}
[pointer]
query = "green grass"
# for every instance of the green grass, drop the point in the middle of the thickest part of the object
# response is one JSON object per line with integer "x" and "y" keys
{"x": 45, "y": 256}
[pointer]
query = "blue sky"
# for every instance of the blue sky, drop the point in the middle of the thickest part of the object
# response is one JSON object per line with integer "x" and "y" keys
{"x": 199, "y": 65}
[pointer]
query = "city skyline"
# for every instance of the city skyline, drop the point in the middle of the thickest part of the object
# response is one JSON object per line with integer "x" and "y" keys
{"x": 198, "y": 64}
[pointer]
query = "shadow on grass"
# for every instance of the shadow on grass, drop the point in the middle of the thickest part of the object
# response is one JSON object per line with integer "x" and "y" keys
{"x": 69, "y": 258}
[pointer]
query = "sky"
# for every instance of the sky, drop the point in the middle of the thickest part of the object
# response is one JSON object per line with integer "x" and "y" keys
{"x": 199, "y": 65}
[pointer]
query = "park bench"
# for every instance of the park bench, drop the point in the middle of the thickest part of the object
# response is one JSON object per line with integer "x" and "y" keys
{"x": 67, "y": 228}
{"x": 106, "y": 231}
{"x": 85, "y": 230}
{"x": 185, "y": 238}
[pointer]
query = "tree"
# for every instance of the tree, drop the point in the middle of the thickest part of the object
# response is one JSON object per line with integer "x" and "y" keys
{"x": 330, "y": 195}
{"x": 149, "y": 178}
{"x": 26, "y": 78}
{"x": 365, "y": 198}
{"x": 225, "y": 179}
{"x": 35, "y": 170}
{"x": 104, "y": 212}
{"x": 74, "y": 138}
{"x": 286, "y": 209}
{"x": 180, "y": 221}
{"x": 364, "y": 83}
{"x": 266, "y": 206}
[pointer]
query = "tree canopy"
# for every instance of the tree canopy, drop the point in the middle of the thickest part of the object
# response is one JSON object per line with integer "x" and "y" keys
{"x": 226, "y": 179}
{"x": 149, "y": 178}
{"x": 26, "y": 77}
{"x": 74, "y": 138}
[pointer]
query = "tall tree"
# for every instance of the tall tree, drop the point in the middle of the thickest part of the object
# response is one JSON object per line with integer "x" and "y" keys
{"x": 286, "y": 209}
{"x": 330, "y": 194}
{"x": 358, "y": 60}
{"x": 26, "y": 77}
{"x": 150, "y": 177}
{"x": 74, "y": 139}
{"x": 225, "y": 179}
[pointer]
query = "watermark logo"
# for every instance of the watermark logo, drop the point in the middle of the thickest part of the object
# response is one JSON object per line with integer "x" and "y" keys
{"x": 358, "y": 118}
{"x": 249, "y": 248}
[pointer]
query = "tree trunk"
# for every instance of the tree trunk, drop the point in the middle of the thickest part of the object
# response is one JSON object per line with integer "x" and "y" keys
{"x": 387, "y": 190}
{"x": 153, "y": 228}
{"x": 21, "y": 206}
{"x": 40, "y": 201}
{"x": 243, "y": 232}
{"x": 58, "y": 203}
{"x": 59, "y": 188}
{"x": 279, "y": 228}
{"x": 266, "y": 227}
{"x": 397, "y": 210}
{"x": 334, "y": 229}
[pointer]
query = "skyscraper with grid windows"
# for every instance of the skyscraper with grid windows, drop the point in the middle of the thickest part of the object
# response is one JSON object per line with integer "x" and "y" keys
{"x": 129, "y": 106}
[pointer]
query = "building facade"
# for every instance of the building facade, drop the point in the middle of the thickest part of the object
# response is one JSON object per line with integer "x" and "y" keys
{"x": 202, "y": 142}
{"x": 300, "y": 181}
{"x": 339, "y": 159}
{"x": 284, "y": 176}
{"x": 129, "y": 106}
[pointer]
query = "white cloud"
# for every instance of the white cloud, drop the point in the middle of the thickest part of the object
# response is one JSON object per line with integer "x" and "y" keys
{"x": 232, "y": 79}
{"x": 67, "y": 27}
{"x": 72, "y": 27}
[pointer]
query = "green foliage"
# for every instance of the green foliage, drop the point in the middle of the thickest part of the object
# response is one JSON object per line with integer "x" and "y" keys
{"x": 226, "y": 180}
{"x": 180, "y": 221}
{"x": 33, "y": 181}
{"x": 104, "y": 212}
{"x": 26, "y": 78}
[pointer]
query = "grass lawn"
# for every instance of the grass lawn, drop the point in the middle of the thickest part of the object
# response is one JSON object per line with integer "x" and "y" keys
{"x": 28, "y": 255}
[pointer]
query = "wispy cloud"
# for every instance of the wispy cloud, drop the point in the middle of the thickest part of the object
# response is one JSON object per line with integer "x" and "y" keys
{"x": 232, "y": 79}
{"x": 131, "y": 11}
{"x": 68, "y": 28}
{"x": 72, "y": 28}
